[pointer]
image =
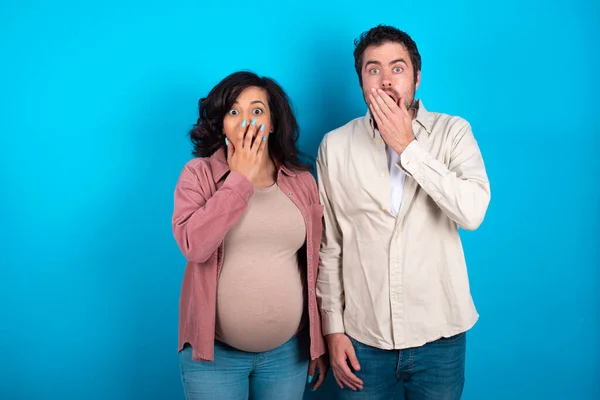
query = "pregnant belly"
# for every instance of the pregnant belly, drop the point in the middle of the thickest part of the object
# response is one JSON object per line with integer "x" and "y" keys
{"x": 257, "y": 315}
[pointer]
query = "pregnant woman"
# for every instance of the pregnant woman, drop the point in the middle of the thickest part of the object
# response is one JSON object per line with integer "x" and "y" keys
{"x": 247, "y": 218}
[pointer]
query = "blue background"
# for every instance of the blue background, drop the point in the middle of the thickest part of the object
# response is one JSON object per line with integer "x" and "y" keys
{"x": 96, "y": 100}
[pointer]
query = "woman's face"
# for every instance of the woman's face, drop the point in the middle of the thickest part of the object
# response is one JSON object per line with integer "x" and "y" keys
{"x": 251, "y": 104}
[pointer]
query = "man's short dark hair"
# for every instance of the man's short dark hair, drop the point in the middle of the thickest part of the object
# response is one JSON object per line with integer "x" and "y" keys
{"x": 384, "y": 34}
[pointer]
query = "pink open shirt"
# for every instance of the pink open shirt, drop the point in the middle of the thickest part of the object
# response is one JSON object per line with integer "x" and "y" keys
{"x": 209, "y": 199}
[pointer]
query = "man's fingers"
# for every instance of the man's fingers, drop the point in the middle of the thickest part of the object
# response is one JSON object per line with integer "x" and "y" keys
{"x": 348, "y": 383}
{"x": 350, "y": 378}
{"x": 352, "y": 358}
{"x": 344, "y": 377}
{"x": 338, "y": 381}
{"x": 380, "y": 123}
{"x": 376, "y": 110}
{"x": 385, "y": 102}
{"x": 344, "y": 381}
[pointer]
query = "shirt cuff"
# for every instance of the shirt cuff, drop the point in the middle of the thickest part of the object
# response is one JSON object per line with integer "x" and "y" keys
{"x": 239, "y": 184}
{"x": 332, "y": 323}
{"x": 412, "y": 156}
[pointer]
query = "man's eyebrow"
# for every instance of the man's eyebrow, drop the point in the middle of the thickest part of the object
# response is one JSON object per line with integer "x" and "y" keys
{"x": 402, "y": 60}
{"x": 372, "y": 62}
{"x": 397, "y": 60}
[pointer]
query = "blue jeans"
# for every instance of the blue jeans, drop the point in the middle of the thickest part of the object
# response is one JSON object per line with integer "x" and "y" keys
{"x": 434, "y": 371}
{"x": 280, "y": 373}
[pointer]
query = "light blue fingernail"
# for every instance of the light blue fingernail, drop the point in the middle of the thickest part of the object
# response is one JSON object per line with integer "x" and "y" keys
{"x": 262, "y": 127}
{"x": 309, "y": 379}
{"x": 243, "y": 123}
{"x": 264, "y": 138}
{"x": 226, "y": 142}
{"x": 254, "y": 121}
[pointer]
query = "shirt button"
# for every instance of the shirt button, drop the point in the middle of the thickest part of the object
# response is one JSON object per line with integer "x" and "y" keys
{"x": 381, "y": 175}
{"x": 383, "y": 208}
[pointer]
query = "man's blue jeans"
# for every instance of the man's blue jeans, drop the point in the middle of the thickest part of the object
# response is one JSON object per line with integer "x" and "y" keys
{"x": 434, "y": 371}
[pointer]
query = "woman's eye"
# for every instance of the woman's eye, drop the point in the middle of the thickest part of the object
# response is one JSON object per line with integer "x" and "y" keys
{"x": 233, "y": 112}
{"x": 257, "y": 111}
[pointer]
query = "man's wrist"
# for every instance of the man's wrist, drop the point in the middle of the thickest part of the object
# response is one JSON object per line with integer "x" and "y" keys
{"x": 405, "y": 146}
{"x": 333, "y": 336}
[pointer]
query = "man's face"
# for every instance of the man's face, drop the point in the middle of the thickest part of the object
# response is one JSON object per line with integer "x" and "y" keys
{"x": 388, "y": 67}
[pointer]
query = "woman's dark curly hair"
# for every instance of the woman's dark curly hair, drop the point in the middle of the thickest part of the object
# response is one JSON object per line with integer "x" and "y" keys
{"x": 207, "y": 134}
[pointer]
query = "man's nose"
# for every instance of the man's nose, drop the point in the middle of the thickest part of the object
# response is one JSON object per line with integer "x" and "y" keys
{"x": 386, "y": 83}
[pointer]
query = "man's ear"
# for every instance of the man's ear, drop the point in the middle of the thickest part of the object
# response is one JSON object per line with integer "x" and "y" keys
{"x": 418, "y": 80}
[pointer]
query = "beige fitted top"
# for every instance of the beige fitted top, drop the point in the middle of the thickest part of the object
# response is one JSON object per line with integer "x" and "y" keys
{"x": 260, "y": 295}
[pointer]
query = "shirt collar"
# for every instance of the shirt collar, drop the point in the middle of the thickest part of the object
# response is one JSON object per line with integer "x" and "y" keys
{"x": 424, "y": 117}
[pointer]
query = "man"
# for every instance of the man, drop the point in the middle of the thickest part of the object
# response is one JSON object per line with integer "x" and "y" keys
{"x": 396, "y": 186}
